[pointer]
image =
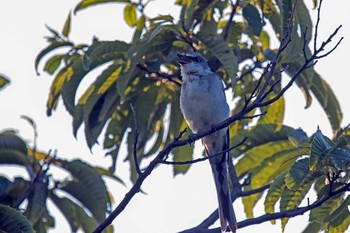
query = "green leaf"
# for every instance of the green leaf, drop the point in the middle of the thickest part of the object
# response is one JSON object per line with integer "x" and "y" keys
{"x": 304, "y": 19}
{"x": 268, "y": 170}
{"x": 50, "y": 48}
{"x": 254, "y": 157}
{"x": 130, "y": 14}
{"x": 181, "y": 154}
{"x": 189, "y": 10}
{"x": 313, "y": 227}
{"x": 68, "y": 209}
{"x": 319, "y": 149}
{"x": 297, "y": 174}
{"x": 340, "y": 218}
{"x": 139, "y": 28}
{"x": 273, "y": 195}
{"x": 37, "y": 201}
{"x": 341, "y": 158}
{"x": 327, "y": 99}
{"x": 67, "y": 25}
{"x": 13, "y": 150}
{"x": 218, "y": 47}
{"x": 3, "y": 81}
{"x": 298, "y": 137}
{"x": 274, "y": 113}
{"x": 292, "y": 199}
{"x": 88, "y": 3}
{"x": 321, "y": 213}
{"x": 252, "y": 15}
{"x": 12, "y": 220}
{"x": 265, "y": 40}
{"x": 88, "y": 187}
{"x": 53, "y": 63}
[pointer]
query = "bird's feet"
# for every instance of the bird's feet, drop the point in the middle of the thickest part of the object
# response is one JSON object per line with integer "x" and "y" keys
{"x": 190, "y": 139}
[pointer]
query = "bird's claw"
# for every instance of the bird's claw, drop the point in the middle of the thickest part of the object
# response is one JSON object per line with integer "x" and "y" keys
{"x": 190, "y": 139}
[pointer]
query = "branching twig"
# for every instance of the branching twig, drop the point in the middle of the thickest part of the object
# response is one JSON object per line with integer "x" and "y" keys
{"x": 248, "y": 107}
{"x": 159, "y": 74}
{"x": 39, "y": 176}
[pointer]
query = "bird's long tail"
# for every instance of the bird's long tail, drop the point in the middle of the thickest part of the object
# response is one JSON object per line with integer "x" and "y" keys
{"x": 226, "y": 212}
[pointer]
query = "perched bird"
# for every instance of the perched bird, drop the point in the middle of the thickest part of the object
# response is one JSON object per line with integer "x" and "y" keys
{"x": 203, "y": 104}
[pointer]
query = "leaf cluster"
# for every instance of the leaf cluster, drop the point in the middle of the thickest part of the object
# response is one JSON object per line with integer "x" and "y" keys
{"x": 82, "y": 196}
{"x": 234, "y": 39}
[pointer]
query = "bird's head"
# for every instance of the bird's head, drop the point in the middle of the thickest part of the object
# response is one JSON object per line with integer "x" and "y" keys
{"x": 192, "y": 62}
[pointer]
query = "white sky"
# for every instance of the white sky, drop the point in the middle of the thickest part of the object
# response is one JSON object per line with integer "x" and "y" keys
{"x": 171, "y": 204}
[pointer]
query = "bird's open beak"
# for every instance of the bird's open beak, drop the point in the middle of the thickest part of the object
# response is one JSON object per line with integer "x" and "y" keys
{"x": 183, "y": 59}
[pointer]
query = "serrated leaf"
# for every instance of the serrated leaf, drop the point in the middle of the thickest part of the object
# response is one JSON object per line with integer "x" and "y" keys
{"x": 3, "y": 81}
{"x": 12, "y": 220}
{"x": 319, "y": 148}
{"x": 88, "y": 3}
{"x": 252, "y": 15}
{"x": 130, "y": 14}
{"x": 67, "y": 25}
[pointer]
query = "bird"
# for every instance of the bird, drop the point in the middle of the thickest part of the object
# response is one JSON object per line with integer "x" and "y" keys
{"x": 203, "y": 104}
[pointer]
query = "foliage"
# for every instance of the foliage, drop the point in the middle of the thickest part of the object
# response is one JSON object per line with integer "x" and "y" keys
{"x": 234, "y": 39}
{"x": 81, "y": 196}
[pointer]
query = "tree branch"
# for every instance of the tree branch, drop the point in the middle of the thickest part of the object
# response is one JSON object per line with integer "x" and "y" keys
{"x": 283, "y": 214}
{"x": 205, "y": 158}
{"x": 136, "y": 136}
{"x": 249, "y": 106}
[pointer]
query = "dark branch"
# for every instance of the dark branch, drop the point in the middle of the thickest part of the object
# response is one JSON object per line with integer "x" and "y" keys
{"x": 136, "y": 136}
{"x": 158, "y": 74}
{"x": 278, "y": 215}
{"x": 205, "y": 158}
{"x": 230, "y": 20}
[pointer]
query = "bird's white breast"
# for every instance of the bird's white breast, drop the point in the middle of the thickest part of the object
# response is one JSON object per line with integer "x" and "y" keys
{"x": 203, "y": 101}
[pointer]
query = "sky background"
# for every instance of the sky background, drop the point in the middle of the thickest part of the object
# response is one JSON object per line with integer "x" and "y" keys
{"x": 171, "y": 204}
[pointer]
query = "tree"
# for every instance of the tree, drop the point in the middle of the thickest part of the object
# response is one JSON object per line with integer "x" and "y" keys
{"x": 141, "y": 86}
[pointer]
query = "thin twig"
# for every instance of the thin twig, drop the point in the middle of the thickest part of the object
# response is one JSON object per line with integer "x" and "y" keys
{"x": 136, "y": 136}
{"x": 159, "y": 74}
{"x": 230, "y": 20}
{"x": 205, "y": 158}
